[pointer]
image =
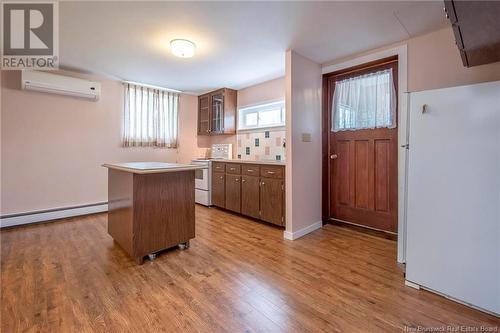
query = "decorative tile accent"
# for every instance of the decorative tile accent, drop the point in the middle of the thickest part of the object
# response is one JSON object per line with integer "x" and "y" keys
{"x": 265, "y": 145}
{"x": 278, "y": 157}
{"x": 257, "y": 157}
{"x": 239, "y": 156}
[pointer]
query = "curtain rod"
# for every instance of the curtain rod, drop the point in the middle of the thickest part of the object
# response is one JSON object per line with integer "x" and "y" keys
{"x": 151, "y": 86}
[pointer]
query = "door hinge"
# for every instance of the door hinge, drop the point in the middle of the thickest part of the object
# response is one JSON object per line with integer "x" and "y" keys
{"x": 260, "y": 212}
{"x": 282, "y": 219}
{"x": 407, "y": 146}
{"x": 282, "y": 187}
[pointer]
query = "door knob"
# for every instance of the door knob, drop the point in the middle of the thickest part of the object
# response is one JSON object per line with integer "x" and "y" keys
{"x": 333, "y": 156}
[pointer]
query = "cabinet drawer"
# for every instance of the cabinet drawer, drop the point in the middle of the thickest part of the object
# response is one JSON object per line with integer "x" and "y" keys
{"x": 271, "y": 171}
{"x": 233, "y": 168}
{"x": 251, "y": 170}
{"x": 219, "y": 167}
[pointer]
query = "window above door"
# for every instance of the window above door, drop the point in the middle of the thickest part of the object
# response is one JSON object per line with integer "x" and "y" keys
{"x": 364, "y": 102}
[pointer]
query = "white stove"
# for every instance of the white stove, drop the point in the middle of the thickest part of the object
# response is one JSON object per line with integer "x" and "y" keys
{"x": 203, "y": 178}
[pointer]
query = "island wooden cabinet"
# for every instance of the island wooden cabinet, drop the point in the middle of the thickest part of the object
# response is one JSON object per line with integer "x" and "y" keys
{"x": 217, "y": 112}
{"x": 253, "y": 190}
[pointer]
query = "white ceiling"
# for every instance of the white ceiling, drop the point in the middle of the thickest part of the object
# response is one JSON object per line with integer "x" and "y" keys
{"x": 238, "y": 43}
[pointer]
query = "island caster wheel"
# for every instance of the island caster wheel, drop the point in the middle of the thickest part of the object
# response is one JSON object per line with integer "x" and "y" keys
{"x": 184, "y": 246}
{"x": 152, "y": 256}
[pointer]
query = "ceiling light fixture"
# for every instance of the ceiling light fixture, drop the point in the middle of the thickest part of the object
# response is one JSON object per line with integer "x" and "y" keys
{"x": 182, "y": 48}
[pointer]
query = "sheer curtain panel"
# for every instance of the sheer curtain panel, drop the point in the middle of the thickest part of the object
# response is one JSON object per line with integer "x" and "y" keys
{"x": 150, "y": 117}
{"x": 365, "y": 101}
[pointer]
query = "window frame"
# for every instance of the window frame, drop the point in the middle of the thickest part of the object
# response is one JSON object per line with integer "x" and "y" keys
{"x": 129, "y": 117}
{"x": 261, "y": 107}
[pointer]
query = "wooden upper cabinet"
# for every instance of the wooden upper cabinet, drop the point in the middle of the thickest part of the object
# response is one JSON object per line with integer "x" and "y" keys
{"x": 204, "y": 114}
{"x": 476, "y": 25}
{"x": 217, "y": 112}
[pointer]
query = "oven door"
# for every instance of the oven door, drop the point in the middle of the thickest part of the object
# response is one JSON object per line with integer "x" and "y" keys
{"x": 201, "y": 179}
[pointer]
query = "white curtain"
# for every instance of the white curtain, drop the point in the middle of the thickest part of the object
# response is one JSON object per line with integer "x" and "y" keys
{"x": 365, "y": 101}
{"x": 150, "y": 117}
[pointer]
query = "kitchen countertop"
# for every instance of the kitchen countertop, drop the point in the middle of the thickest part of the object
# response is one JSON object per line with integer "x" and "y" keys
{"x": 264, "y": 162}
{"x": 151, "y": 167}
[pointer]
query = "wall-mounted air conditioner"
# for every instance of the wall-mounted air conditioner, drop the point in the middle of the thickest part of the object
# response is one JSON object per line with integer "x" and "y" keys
{"x": 58, "y": 84}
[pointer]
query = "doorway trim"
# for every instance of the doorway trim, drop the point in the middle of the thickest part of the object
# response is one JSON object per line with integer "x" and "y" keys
{"x": 403, "y": 127}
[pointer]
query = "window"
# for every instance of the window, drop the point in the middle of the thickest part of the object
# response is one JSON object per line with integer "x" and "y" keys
{"x": 262, "y": 115}
{"x": 365, "y": 101}
{"x": 149, "y": 117}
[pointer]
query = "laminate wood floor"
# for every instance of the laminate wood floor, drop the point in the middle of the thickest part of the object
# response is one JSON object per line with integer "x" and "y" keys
{"x": 237, "y": 276}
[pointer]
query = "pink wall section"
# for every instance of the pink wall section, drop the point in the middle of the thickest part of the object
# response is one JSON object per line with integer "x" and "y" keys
{"x": 264, "y": 92}
{"x": 303, "y": 162}
{"x": 52, "y": 146}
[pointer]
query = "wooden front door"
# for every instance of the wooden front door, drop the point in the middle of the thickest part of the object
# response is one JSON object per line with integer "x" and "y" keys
{"x": 362, "y": 165}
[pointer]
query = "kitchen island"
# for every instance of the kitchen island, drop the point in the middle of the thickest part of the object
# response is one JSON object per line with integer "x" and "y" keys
{"x": 151, "y": 206}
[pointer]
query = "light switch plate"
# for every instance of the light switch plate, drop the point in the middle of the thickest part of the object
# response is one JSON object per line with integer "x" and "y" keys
{"x": 306, "y": 137}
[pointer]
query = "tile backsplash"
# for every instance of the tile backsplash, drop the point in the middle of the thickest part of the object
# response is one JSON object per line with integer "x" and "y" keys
{"x": 267, "y": 144}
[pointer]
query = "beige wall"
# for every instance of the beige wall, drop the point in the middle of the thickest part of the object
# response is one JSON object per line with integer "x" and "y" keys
{"x": 434, "y": 62}
{"x": 303, "y": 162}
{"x": 53, "y": 146}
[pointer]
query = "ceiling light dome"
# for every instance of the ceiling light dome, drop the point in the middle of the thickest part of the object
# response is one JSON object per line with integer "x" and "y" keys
{"x": 182, "y": 48}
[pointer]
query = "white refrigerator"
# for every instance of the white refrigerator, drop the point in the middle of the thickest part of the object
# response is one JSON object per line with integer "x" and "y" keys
{"x": 453, "y": 207}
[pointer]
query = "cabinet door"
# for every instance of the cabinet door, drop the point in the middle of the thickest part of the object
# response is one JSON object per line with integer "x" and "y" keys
{"x": 217, "y": 112}
{"x": 233, "y": 193}
{"x": 204, "y": 114}
{"x": 218, "y": 189}
{"x": 271, "y": 200}
{"x": 250, "y": 196}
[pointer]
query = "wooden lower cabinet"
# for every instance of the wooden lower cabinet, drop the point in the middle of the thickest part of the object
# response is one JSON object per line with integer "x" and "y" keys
{"x": 219, "y": 189}
{"x": 233, "y": 193}
{"x": 246, "y": 190}
{"x": 271, "y": 201}
{"x": 250, "y": 187}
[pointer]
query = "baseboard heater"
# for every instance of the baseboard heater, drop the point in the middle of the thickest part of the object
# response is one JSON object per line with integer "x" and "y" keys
{"x": 51, "y": 214}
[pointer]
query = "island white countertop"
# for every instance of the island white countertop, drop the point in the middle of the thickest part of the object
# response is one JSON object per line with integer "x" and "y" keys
{"x": 151, "y": 167}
